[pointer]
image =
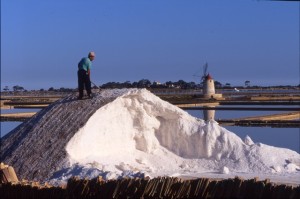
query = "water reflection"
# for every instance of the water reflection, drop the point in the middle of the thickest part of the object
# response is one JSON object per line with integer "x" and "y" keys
{"x": 209, "y": 114}
{"x": 278, "y": 137}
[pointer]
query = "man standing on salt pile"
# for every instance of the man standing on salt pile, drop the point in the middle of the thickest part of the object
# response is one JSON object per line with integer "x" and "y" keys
{"x": 84, "y": 67}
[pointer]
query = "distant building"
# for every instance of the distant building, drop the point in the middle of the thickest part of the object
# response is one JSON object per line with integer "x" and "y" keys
{"x": 156, "y": 83}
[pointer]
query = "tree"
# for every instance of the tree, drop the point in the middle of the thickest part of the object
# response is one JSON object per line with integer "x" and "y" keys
{"x": 218, "y": 84}
{"x": 191, "y": 85}
{"x": 6, "y": 88}
{"x": 227, "y": 85}
{"x": 144, "y": 83}
{"x": 181, "y": 84}
{"x": 134, "y": 85}
{"x": 247, "y": 83}
{"x": 18, "y": 88}
{"x": 170, "y": 84}
{"x": 126, "y": 84}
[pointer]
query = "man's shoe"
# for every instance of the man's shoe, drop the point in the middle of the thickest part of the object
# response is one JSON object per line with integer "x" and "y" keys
{"x": 90, "y": 96}
{"x": 79, "y": 98}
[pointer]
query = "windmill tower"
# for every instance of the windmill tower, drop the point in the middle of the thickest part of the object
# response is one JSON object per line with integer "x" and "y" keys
{"x": 208, "y": 92}
{"x": 208, "y": 84}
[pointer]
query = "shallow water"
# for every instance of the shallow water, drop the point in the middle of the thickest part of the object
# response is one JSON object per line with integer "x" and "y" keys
{"x": 6, "y": 127}
{"x": 279, "y": 137}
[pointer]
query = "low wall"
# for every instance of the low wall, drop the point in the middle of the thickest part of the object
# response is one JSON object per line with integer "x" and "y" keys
{"x": 164, "y": 187}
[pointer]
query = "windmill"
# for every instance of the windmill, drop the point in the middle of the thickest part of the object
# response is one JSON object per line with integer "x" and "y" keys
{"x": 208, "y": 83}
{"x": 198, "y": 76}
{"x": 204, "y": 72}
{"x": 208, "y": 92}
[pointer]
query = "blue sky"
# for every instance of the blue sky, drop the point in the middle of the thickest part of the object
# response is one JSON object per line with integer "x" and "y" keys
{"x": 159, "y": 40}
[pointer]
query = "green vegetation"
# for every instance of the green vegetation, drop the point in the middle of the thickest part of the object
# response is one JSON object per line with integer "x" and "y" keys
{"x": 145, "y": 83}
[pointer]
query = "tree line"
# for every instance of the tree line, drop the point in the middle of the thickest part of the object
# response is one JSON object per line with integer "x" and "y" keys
{"x": 146, "y": 83}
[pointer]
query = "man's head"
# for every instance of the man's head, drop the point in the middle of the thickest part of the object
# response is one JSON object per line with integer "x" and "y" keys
{"x": 91, "y": 56}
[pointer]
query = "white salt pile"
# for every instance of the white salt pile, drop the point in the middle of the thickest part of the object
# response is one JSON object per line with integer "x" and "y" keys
{"x": 138, "y": 134}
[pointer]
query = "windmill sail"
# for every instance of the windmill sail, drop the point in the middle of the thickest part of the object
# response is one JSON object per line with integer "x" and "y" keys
{"x": 204, "y": 71}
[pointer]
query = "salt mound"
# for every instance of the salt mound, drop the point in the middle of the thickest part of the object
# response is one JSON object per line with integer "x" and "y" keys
{"x": 140, "y": 134}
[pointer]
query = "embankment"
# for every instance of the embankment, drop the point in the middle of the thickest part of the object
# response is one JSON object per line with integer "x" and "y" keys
{"x": 164, "y": 187}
